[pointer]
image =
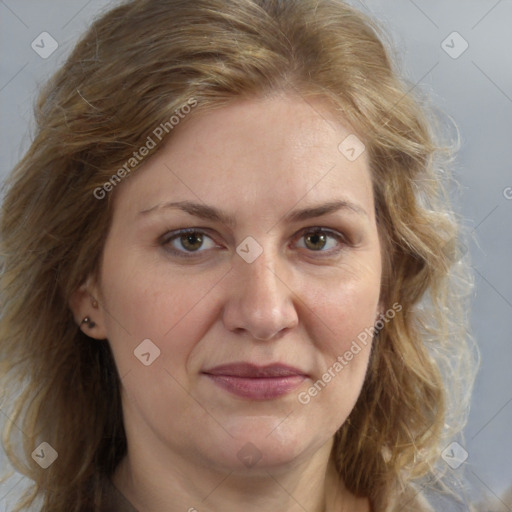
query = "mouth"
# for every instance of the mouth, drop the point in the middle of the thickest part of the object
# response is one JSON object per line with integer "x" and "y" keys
{"x": 255, "y": 382}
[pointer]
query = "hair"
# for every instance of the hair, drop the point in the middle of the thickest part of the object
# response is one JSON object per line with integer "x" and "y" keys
{"x": 136, "y": 66}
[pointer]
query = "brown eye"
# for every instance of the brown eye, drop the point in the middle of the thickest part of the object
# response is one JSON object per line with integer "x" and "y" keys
{"x": 322, "y": 241}
{"x": 191, "y": 241}
{"x": 315, "y": 241}
{"x": 187, "y": 242}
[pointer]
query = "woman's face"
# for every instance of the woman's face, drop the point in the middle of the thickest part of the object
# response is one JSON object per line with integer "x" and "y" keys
{"x": 278, "y": 276}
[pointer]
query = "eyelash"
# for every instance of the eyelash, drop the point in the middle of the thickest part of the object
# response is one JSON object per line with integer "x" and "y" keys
{"x": 166, "y": 239}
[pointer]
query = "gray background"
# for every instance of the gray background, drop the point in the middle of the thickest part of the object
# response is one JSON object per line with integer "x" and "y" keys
{"x": 475, "y": 89}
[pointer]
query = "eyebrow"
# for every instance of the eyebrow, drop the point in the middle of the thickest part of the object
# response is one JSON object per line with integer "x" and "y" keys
{"x": 211, "y": 213}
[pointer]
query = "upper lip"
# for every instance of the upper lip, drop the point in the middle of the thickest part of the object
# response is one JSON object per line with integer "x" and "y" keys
{"x": 250, "y": 370}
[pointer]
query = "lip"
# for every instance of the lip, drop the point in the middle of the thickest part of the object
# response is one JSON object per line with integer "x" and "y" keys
{"x": 255, "y": 382}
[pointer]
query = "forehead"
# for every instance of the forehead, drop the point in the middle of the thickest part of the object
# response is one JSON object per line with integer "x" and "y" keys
{"x": 261, "y": 153}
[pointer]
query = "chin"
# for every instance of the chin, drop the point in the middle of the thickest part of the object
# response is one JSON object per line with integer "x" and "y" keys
{"x": 265, "y": 443}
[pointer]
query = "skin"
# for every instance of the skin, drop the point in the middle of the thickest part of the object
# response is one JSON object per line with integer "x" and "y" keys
{"x": 300, "y": 303}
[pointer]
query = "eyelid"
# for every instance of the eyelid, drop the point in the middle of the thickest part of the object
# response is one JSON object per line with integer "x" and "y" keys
{"x": 174, "y": 233}
{"x": 334, "y": 232}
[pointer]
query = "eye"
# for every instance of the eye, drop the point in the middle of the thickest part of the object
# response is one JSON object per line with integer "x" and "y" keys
{"x": 191, "y": 242}
{"x": 183, "y": 241}
{"x": 322, "y": 240}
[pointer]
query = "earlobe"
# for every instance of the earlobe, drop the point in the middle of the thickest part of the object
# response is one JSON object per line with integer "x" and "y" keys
{"x": 88, "y": 322}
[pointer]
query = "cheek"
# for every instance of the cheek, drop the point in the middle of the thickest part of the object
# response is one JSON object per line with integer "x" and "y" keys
{"x": 344, "y": 313}
{"x": 345, "y": 308}
{"x": 165, "y": 306}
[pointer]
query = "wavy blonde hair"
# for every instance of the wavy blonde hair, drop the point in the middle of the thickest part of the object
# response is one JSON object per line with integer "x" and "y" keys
{"x": 135, "y": 66}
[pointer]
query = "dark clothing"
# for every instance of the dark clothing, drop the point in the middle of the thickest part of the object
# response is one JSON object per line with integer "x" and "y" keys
{"x": 114, "y": 500}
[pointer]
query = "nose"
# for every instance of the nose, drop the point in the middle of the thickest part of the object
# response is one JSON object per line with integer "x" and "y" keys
{"x": 260, "y": 299}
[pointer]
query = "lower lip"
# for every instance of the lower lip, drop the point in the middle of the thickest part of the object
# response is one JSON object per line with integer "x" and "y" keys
{"x": 262, "y": 388}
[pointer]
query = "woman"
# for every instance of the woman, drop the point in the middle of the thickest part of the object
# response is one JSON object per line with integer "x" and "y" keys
{"x": 231, "y": 274}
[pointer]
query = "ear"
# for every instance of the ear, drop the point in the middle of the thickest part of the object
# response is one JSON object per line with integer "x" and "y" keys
{"x": 85, "y": 304}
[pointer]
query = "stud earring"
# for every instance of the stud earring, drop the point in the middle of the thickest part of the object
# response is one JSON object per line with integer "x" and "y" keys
{"x": 88, "y": 322}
